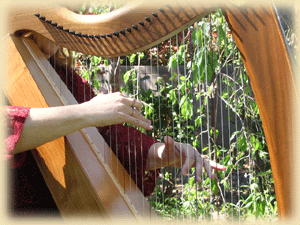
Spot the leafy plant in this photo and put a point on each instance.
(184, 107)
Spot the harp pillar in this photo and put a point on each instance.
(258, 37)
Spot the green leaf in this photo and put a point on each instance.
(96, 84)
(207, 181)
(221, 31)
(214, 186)
(192, 181)
(96, 60)
(184, 110)
(148, 110)
(226, 160)
(172, 62)
(132, 58)
(172, 96)
(261, 174)
(126, 76)
(106, 63)
(226, 184)
(258, 145)
(199, 56)
(182, 100)
(181, 53)
(141, 55)
(242, 143)
(167, 175)
(187, 109)
(197, 37)
(212, 132)
(174, 75)
(198, 121)
(196, 143)
(205, 28)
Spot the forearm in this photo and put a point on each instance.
(46, 124)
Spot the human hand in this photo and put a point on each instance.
(110, 109)
(188, 154)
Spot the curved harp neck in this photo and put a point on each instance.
(134, 27)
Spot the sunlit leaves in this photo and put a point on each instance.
(170, 109)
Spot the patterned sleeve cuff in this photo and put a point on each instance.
(15, 118)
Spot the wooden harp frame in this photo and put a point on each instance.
(267, 63)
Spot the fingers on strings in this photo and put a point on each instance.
(136, 104)
(200, 163)
(131, 102)
(136, 119)
(133, 115)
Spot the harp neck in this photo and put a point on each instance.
(132, 28)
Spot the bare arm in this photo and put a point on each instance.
(46, 124)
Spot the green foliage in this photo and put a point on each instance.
(170, 107)
(210, 53)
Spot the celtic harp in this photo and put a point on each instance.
(81, 176)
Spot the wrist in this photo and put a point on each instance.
(83, 116)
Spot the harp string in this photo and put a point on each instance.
(186, 109)
(229, 124)
(115, 85)
(179, 121)
(193, 116)
(221, 104)
(152, 119)
(220, 89)
(207, 111)
(173, 133)
(200, 116)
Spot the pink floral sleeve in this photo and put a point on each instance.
(16, 117)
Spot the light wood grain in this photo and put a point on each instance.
(80, 181)
(174, 19)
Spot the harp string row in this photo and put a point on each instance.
(210, 98)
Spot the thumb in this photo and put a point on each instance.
(169, 143)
